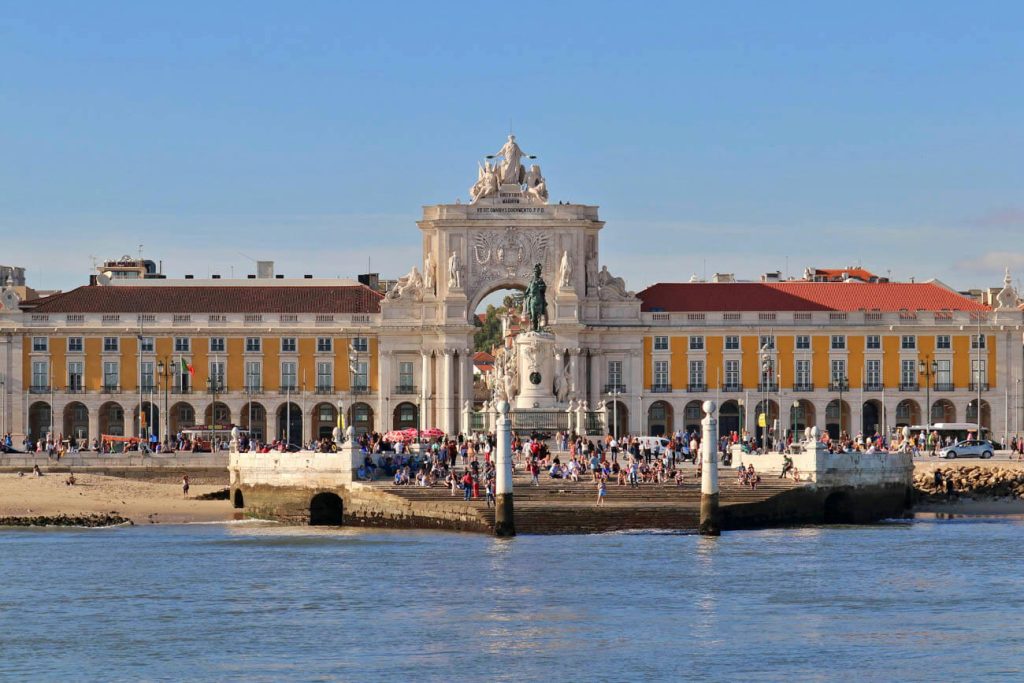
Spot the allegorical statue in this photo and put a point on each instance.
(534, 304)
(511, 168)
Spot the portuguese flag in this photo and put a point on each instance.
(187, 367)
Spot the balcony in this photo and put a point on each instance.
(288, 389)
(838, 386)
(360, 389)
(768, 387)
(696, 387)
(979, 387)
(74, 388)
(181, 390)
(803, 386)
(910, 386)
(614, 388)
(732, 387)
(219, 389)
(872, 386)
(661, 388)
(110, 389)
(405, 389)
(253, 389)
(323, 389)
(39, 389)
(943, 386)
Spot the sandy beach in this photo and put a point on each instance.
(140, 501)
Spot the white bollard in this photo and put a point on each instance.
(504, 522)
(710, 524)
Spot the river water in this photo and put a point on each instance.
(929, 599)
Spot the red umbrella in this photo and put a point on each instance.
(398, 435)
(432, 433)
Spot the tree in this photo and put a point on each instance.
(488, 333)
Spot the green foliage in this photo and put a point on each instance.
(488, 333)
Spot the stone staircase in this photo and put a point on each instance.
(558, 506)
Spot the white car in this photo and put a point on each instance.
(971, 448)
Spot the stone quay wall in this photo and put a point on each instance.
(294, 487)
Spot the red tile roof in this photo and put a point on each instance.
(804, 296)
(837, 273)
(214, 299)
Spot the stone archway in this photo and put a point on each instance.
(39, 420)
(183, 416)
(837, 418)
(326, 509)
(405, 415)
(111, 419)
(943, 410)
(76, 422)
(151, 419)
(360, 416)
(986, 414)
(729, 418)
(692, 415)
(771, 419)
(659, 418)
(325, 418)
(871, 417)
(908, 413)
(253, 418)
(801, 417)
(217, 414)
(289, 423)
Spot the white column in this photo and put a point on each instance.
(637, 420)
(574, 371)
(384, 388)
(709, 520)
(596, 373)
(504, 524)
(424, 390)
(448, 394)
(466, 390)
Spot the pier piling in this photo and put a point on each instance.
(710, 522)
(504, 521)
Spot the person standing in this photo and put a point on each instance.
(184, 485)
(602, 490)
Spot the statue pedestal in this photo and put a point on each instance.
(535, 352)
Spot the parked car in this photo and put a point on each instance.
(969, 448)
(657, 444)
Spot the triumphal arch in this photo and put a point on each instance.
(508, 226)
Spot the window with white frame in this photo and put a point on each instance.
(661, 343)
(943, 341)
(360, 376)
(873, 373)
(615, 373)
(289, 345)
(40, 374)
(147, 378)
(908, 342)
(803, 342)
(766, 340)
(406, 377)
(324, 344)
(324, 376)
(184, 378)
(253, 375)
(838, 371)
(873, 341)
(76, 372)
(838, 342)
(75, 345)
(217, 345)
(732, 373)
(289, 375)
(253, 344)
(697, 343)
(977, 342)
(908, 372)
(217, 375)
(111, 344)
(147, 345)
(661, 373)
(943, 374)
(360, 344)
(40, 344)
(696, 373)
(977, 371)
(803, 373)
(111, 374)
(182, 344)
(732, 342)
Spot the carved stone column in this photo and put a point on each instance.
(638, 425)
(384, 390)
(448, 394)
(466, 387)
(574, 372)
(425, 390)
(596, 372)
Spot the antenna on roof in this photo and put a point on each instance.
(140, 252)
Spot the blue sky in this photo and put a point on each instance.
(730, 136)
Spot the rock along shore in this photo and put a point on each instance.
(88, 521)
(971, 481)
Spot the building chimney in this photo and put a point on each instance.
(264, 270)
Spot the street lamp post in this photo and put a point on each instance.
(928, 369)
(796, 406)
(164, 368)
(766, 376)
